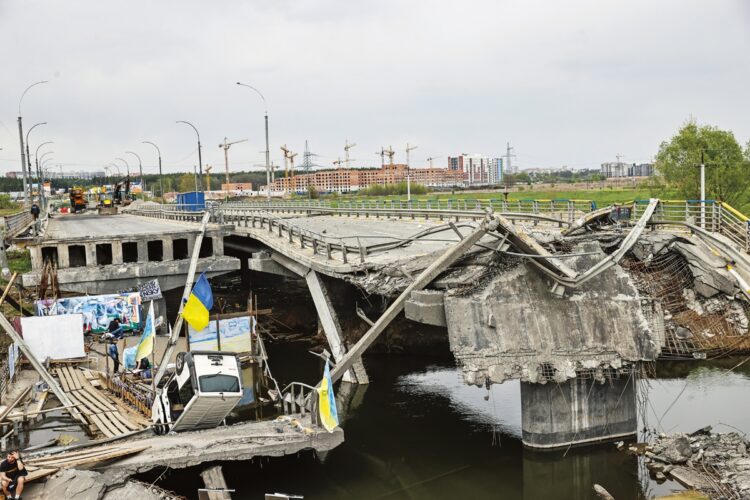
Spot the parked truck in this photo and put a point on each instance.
(204, 388)
(78, 200)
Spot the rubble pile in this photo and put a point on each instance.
(716, 463)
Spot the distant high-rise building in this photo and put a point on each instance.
(478, 170)
(622, 169)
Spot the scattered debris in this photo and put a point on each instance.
(717, 464)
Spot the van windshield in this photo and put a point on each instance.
(219, 383)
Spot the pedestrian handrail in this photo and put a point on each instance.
(17, 223)
(299, 397)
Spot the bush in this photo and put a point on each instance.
(399, 188)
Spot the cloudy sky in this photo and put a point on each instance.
(570, 82)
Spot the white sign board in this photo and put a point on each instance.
(56, 337)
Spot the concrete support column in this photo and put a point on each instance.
(191, 243)
(116, 252)
(36, 257)
(63, 256)
(91, 254)
(330, 323)
(167, 248)
(218, 245)
(577, 411)
(142, 250)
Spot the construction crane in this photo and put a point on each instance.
(337, 163)
(288, 155)
(225, 146)
(390, 153)
(382, 157)
(347, 147)
(433, 158)
(409, 149)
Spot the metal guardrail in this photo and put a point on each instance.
(714, 216)
(301, 398)
(564, 209)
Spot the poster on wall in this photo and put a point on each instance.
(97, 310)
(234, 335)
(58, 337)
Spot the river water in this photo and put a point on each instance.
(417, 432)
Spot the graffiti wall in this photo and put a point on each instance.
(97, 310)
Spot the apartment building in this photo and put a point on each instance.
(478, 170)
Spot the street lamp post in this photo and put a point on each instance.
(23, 151)
(127, 167)
(140, 168)
(38, 171)
(268, 152)
(28, 156)
(199, 184)
(161, 182)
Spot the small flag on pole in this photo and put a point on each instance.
(327, 402)
(199, 303)
(146, 344)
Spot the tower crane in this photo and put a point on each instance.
(390, 153)
(433, 158)
(226, 146)
(347, 147)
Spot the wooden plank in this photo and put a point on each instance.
(63, 458)
(40, 473)
(82, 380)
(15, 403)
(84, 405)
(126, 422)
(115, 422)
(100, 397)
(103, 428)
(63, 381)
(75, 462)
(64, 376)
(91, 401)
(72, 378)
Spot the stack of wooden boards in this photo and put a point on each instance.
(101, 412)
(48, 465)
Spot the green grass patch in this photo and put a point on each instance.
(19, 261)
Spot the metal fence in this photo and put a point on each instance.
(714, 216)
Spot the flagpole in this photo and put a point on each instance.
(153, 353)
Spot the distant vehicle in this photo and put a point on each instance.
(78, 200)
(203, 390)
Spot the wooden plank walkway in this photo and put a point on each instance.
(101, 412)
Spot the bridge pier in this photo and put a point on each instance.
(332, 328)
(578, 411)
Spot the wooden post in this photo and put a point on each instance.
(213, 478)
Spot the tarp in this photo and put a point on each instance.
(97, 310)
(235, 335)
(58, 337)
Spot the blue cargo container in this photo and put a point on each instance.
(192, 201)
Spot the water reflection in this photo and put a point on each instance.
(417, 432)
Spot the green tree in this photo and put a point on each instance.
(186, 182)
(726, 166)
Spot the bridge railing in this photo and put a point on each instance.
(565, 209)
(715, 216)
(17, 223)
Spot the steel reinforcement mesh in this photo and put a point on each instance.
(665, 278)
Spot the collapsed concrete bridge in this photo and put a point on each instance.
(558, 296)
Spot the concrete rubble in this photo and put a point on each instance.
(93, 485)
(715, 463)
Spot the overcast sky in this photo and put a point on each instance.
(565, 82)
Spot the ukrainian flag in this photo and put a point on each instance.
(329, 416)
(146, 344)
(201, 301)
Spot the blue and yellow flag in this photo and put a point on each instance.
(199, 303)
(146, 344)
(329, 416)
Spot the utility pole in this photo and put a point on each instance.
(508, 155)
(703, 192)
(208, 177)
(26, 186)
(409, 149)
(225, 146)
(347, 147)
(307, 164)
